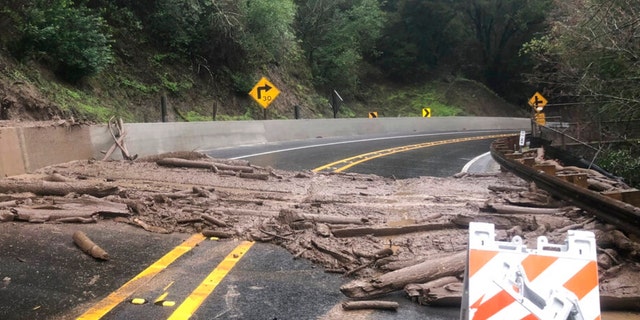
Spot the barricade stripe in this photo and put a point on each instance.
(487, 309)
(478, 259)
(530, 317)
(584, 281)
(534, 265)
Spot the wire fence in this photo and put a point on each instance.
(588, 138)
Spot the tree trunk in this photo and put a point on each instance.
(452, 265)
(46, 188)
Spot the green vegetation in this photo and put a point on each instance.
(117, 57)
(624, 161)
(124, 50)
(72, 40)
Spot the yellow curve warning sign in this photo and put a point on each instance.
(505, 280)
(264, 92)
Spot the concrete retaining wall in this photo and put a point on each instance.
(28, 149)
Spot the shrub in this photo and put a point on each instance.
(70, 38)
(623, 162)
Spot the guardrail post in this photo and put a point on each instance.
(163, 107)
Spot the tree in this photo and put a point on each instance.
(71, 38)
(233, 35)
(270, 36)
(499, 28)
(335, 35)
(592, 55)
(591, 58)
(419, 35)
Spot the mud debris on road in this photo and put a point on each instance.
(361, 226)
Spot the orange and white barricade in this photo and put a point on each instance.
(508, 281)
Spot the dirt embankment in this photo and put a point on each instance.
(363, 226)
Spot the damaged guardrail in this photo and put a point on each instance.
(617, 207)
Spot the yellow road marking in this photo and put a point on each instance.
(199, 294)
(344, 164)
(116, 297)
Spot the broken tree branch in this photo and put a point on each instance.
(390, 231)
(88, 246)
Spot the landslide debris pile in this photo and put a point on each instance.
(385, 234)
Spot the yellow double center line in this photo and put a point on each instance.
(344, 164)
(192, 302)
(195, 299)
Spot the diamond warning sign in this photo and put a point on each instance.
(264, 92)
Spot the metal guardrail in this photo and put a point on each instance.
(624, 215)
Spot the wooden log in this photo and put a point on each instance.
(113, 147)
(371, 304)
(415, 289)
(6, 216)
(449, 295)
(389, 231)
(202, 192)
(6, 204)
(508, 209)
(232, 162)
(76, 220)
(400, 264)
(340, 256)
(120, 142)
(189, 220)
(217, 234)
(378, 255)
(178, 162)
(213, 220)
(150, 228)
(507, 189)
(451, 265)
(187, 155)
(619, 241)
(500, 221)
(47, 188)
(254, 176)
(88, 246)
(335, 219)
(289, 216)
(425, 293)
(222, 166)
(84, 207)
(598, 185)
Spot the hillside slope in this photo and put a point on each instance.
(132, 89)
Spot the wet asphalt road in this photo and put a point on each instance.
(440, 161)
(45, 277)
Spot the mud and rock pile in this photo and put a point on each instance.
(385, 234)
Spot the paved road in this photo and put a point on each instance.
(46, 278)
(427, 158)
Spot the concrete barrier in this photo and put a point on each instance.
(27, 149)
